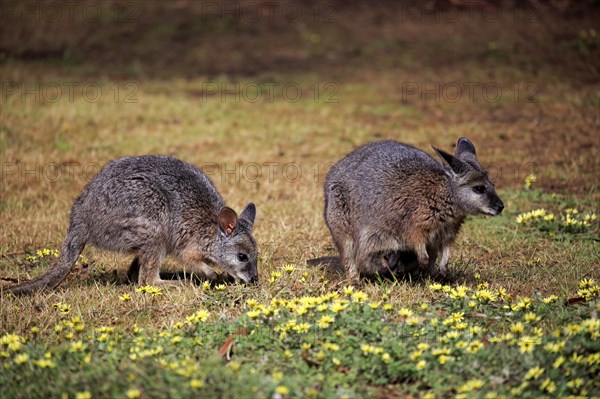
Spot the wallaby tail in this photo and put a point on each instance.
(71, 249)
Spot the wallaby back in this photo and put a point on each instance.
(386, 198)
(152, 206)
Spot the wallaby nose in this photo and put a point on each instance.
(500, 207)
(253, 279)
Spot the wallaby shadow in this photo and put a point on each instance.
(406, 270)
(194, 278)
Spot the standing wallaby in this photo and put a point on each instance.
(153, 206)
(388, 198)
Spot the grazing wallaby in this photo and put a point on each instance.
(387, 198)
(153, 206)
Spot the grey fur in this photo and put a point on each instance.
(387, 198)
(153, 206)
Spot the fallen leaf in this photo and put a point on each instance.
(576, 300)
(225, 350)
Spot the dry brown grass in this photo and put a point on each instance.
(556, 137)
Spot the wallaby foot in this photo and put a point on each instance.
(423, 258)
(444, 261)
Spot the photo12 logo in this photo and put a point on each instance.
(269, 11)
(53, 92)
(69, 12)
(453, 92)
(253, 92)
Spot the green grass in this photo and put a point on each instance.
(467, 342)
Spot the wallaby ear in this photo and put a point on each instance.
(465, 150)
(249, 213)
(227, 220)
(452, 164)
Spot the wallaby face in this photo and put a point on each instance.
(390, 206)
(237, 252)
(471, 185)
(151, 207)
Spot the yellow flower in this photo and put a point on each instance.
(206, 286)
(527, 344)
(484, 295)
(422, 346)
(421, 364)
(529, 180)
(435, 287)
(534, 373)
(253, 314)
(125, 297)
(443, 359)
(459, 292)
(548, 385)
(470, 385)
(83, 395)
(220, 287)
(196, 384)
(176, 339)
(21, 358)
(386, 357)
(558, 362)
(415, 355)
(331, 347)
(531, 317)
(554, 347)
(289, 268)
(325, 321)
(77, 346)
(517, 328)
(133, 393)
(576, 383)
(282, 390)
(302, 328)
(234, 366)
(64, 308)
(474, 347)
(460, 326)
(404, 312)
(44, 363)
(348, 290)
(572, 329)
(338, 306)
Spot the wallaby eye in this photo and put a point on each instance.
(479, 189)
(242, 257)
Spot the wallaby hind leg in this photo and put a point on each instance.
(432, 254)
(348, 257)
(149, 267)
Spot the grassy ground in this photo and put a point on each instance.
(162, 88)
